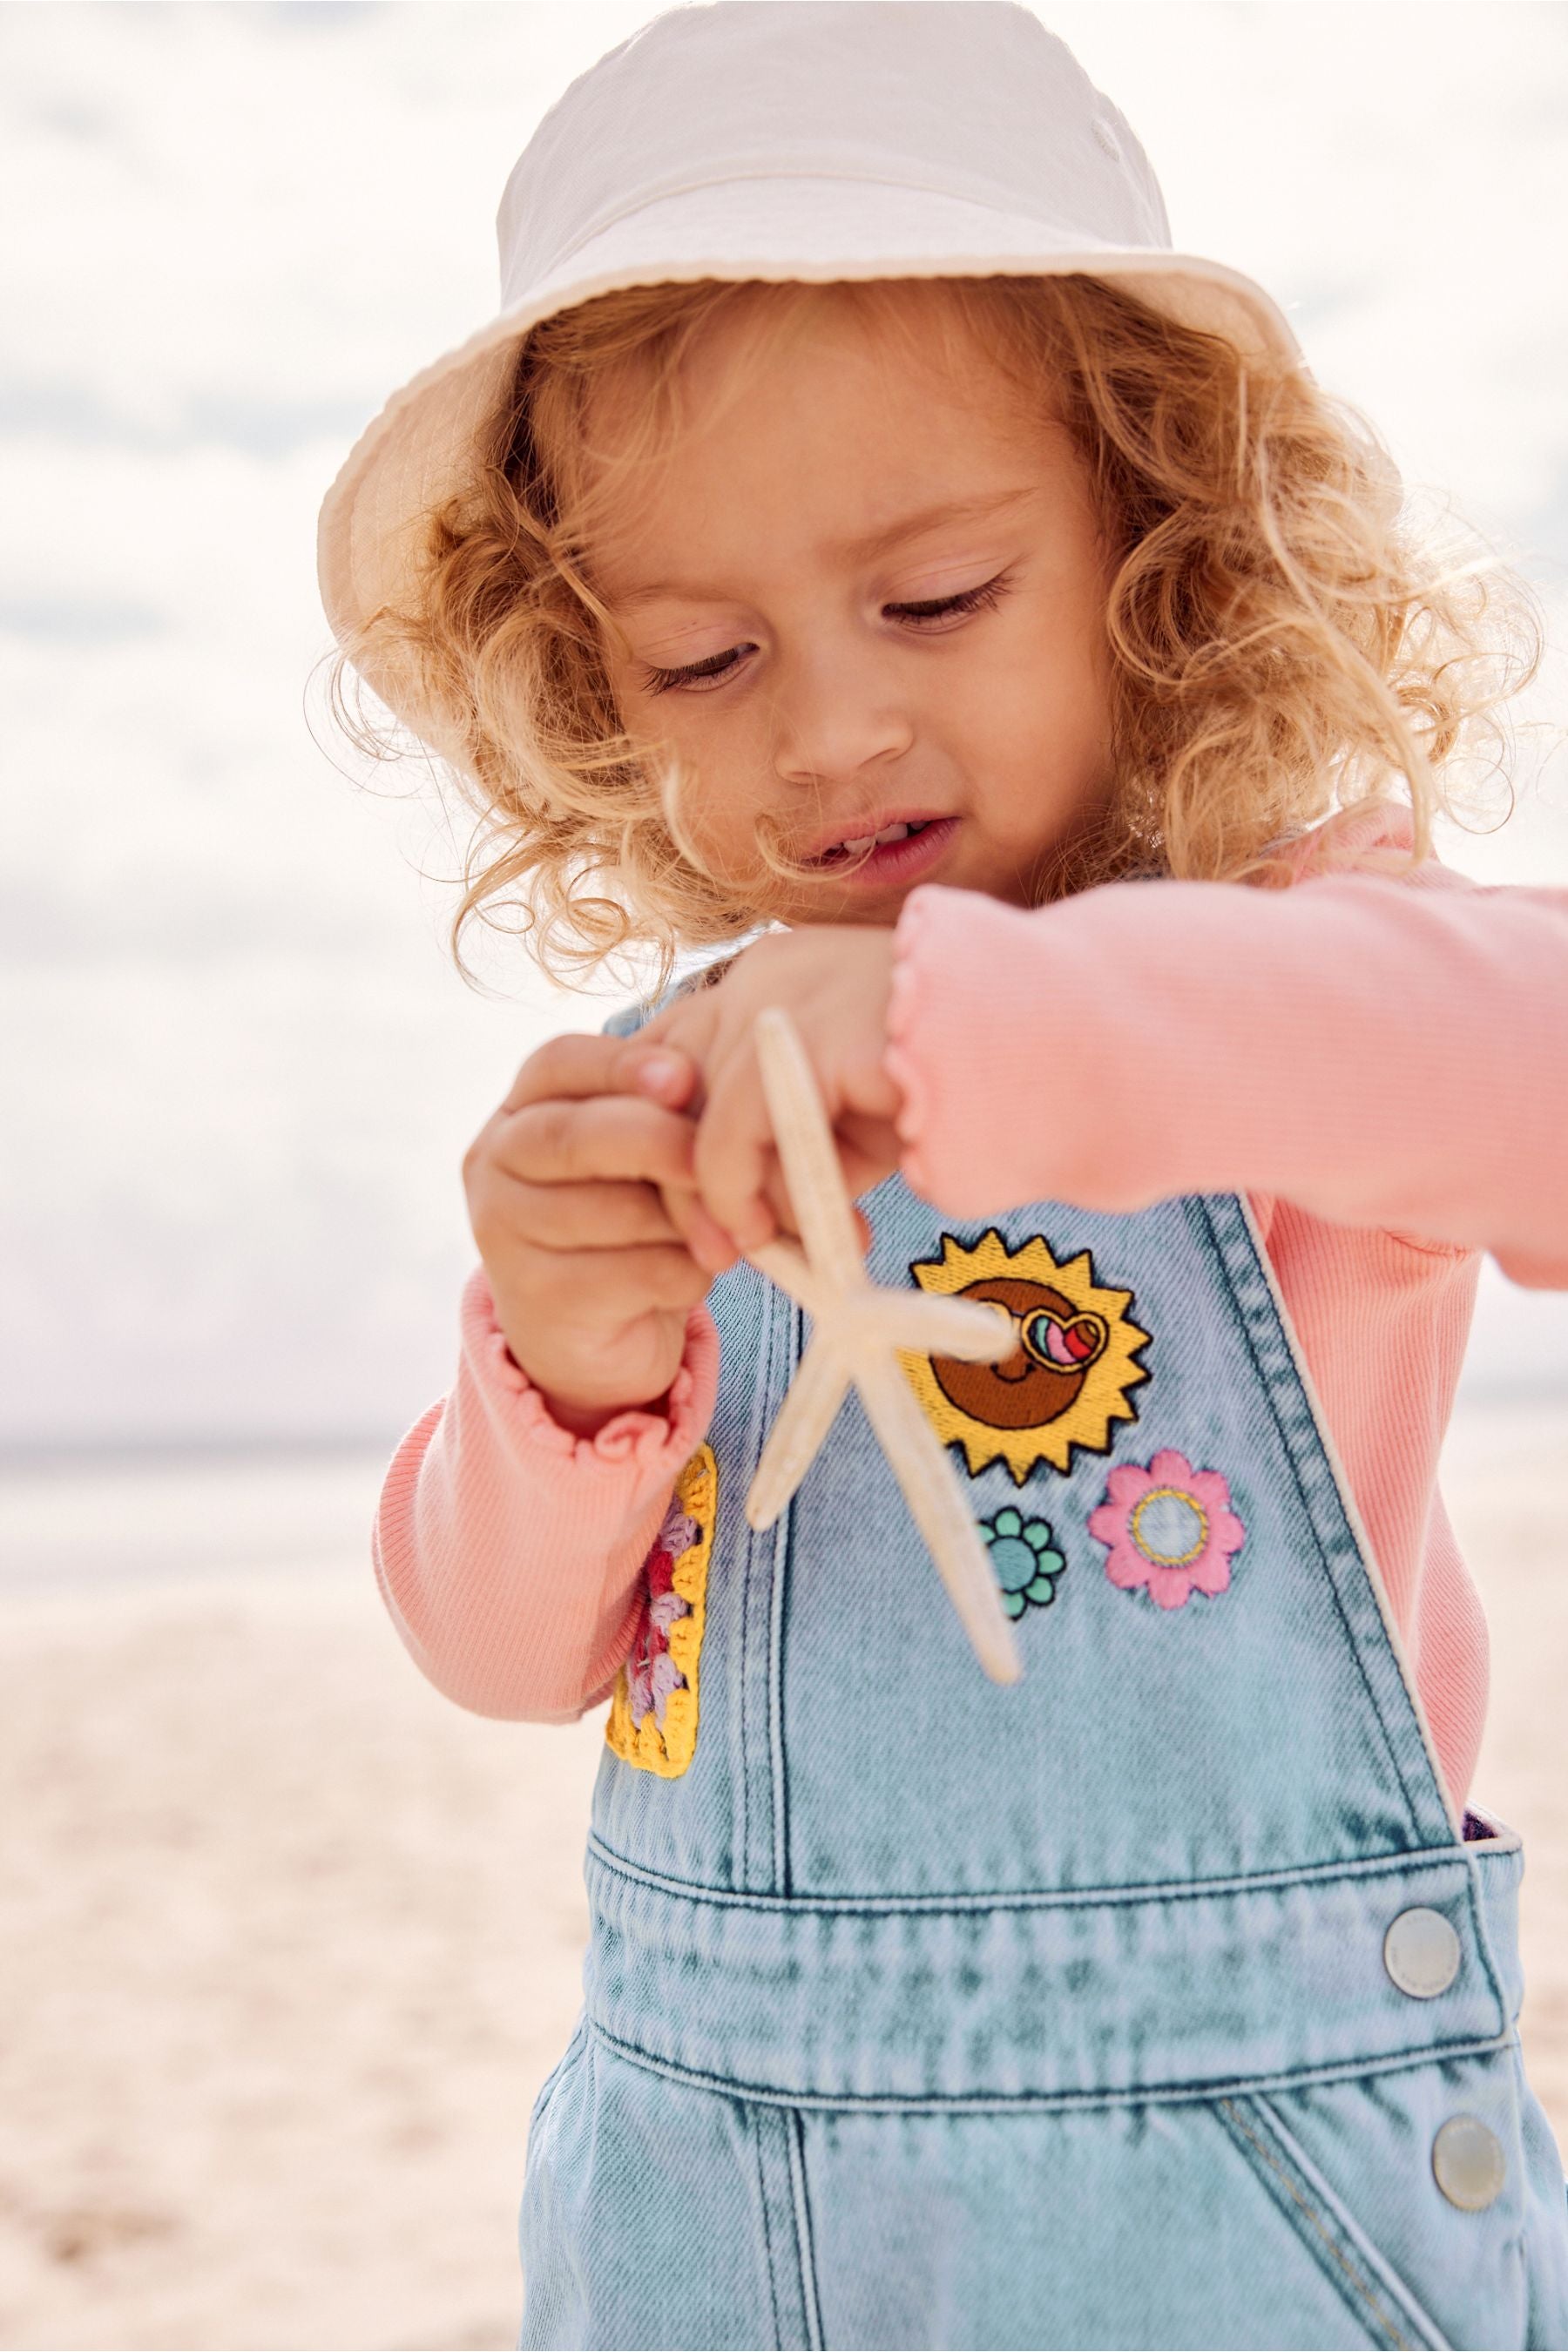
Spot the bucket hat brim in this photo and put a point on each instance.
(416, 453)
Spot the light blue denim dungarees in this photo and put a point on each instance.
(1153, 2001)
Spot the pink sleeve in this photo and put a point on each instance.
(508, 1550)
(1381, 1052)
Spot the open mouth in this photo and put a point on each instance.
(859, 848)
(883, 856)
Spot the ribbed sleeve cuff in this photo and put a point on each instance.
(507, 1548)
(654, 1445)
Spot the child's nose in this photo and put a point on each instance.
(834, 717)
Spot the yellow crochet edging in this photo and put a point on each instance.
(669, 1752)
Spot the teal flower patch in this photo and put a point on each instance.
(1025, 1556)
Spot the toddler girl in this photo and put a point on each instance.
(862, 539)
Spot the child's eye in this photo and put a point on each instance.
(700, 675)
(944, 608)
(923, 615)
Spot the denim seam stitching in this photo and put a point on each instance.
(805, 2243)
(1295, 2155)
(1245, 1297)
(738, 1736)
(743, 1681)
(1308, 1503)
(1250, 1289)
(1331, 1476)
(1009, 2101)
(1483, 1943)
(1430, 1773)
(1399, 1865)
(782, 1551)
(757, 2123)
(1361, 2296)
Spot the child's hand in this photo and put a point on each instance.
(834, 981)
(579, 1191)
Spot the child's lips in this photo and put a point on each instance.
(897, 852)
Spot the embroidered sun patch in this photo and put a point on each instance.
(1069, 1380)
(653, 1714)
(1169, 1529)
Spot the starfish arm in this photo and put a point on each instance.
(806, 1152)
(927, 1325)
(939, 1511)
(784, 1263)
(804, 1420)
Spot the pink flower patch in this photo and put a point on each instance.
(1169, 1528)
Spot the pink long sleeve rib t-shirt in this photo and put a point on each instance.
(1378, 1060)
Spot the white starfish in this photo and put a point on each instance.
(856, 1329)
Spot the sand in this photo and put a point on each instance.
(288, 1942)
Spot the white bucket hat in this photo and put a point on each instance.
(777, 139)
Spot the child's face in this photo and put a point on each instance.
(774, 579)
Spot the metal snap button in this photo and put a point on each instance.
(1421, 1953)
(1468, 2163)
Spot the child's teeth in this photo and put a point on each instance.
(900, 832)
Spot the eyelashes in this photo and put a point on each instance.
(926, 614)
(702, 673)
(969, 599)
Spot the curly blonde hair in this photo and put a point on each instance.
(1284, 644)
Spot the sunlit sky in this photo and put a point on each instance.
(242, 1071)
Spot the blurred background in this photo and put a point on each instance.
(286, 1943)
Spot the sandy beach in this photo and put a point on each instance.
(288, 1942)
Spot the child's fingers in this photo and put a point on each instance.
(707, 1243)
(733, 1148)
(564, 1142)
(687, 1028)
(605, 1290)
(868, 1150)
(737, 1167)
(856, 1180)
(600, 1216)
(576, 1066)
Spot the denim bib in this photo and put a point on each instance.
(1156, 1999)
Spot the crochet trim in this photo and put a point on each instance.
(653, 1713)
